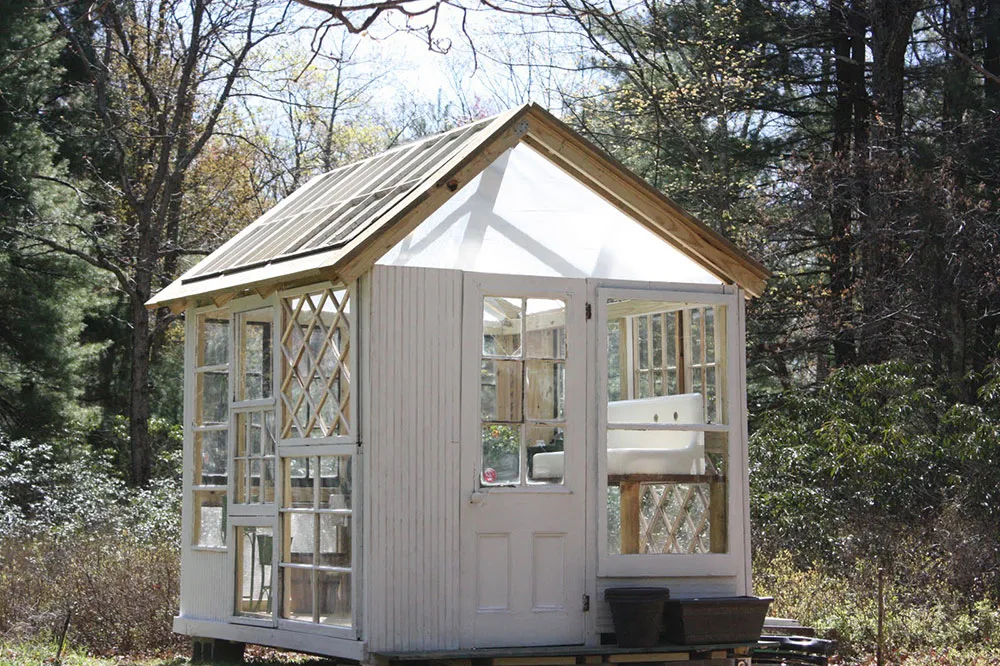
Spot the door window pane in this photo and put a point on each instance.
(522, 389)
(501, 454)
(666, 485)
(254, 571)
(502, 320)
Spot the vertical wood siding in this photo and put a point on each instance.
(412, 457)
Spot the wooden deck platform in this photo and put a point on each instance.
(571, 655)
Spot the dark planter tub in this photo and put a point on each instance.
(718, 620)
(637, 613)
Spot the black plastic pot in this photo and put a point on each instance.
(637, 613)
(715, 620)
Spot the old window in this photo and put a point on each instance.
(667, 434)
(316, 557)
(254, 571)
(211, 333)
(253, 409)
(523, 390)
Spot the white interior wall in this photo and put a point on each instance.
(525, 216)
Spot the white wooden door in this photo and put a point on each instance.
(523, 461)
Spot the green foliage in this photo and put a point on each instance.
(42, 491)
(875, 452)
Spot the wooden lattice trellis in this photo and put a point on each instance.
(316, 382)
(674, 518)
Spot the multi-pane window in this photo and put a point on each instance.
(254, 457)
(701, 358)
(666, 457)
(210, 429)
(316, 378)
(253, 409)
(523, 390)
(670, 352)
(316, 533)
(656, 344)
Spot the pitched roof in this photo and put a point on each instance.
(341, 222)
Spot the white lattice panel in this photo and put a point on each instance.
(316, 382)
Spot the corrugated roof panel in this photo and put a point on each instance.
(338, 205)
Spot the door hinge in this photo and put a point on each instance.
(586, 603)
(590, 311)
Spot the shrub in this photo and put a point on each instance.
(74, 538)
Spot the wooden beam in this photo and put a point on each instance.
(639, 658)
(629, 507)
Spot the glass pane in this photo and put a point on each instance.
(334, 540)
(502, 319)
(546, 390)
(501, 454)
(299, 491)
(334, 596)
(656, 337)
(297, 591)
(335, 482)
(213, 396)
(642, 337)
(616, 388)
(256, 366)
(210, 518)
(267, 481)
(500, 398)
(214, 340)
(255, 481)
(254, 571)
(300, 533)
(710, 334)
(696, 336)
(545, 328)
(210, 449)
(666, 489)
(545, 454)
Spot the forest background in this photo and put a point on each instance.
(853, 146)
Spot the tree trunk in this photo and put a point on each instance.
(891, 25)
(139, 393)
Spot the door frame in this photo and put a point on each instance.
(474, 287)
(735, 563)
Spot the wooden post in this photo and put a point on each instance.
(717, 528)
(629, 507)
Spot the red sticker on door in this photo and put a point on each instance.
(489, 475)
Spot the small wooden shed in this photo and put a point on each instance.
(442, 398)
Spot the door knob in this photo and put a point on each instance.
(477, 497)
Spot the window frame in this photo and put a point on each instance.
(319, 451)
(674, 564)
(193, 341)
(236, 308)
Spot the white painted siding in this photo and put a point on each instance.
(206, 592)
(413, 353)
